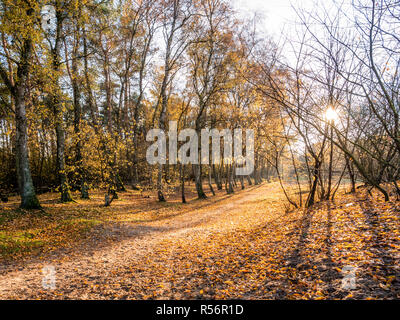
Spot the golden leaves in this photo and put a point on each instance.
(250, 251)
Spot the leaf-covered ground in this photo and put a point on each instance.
(24, 233)
(242, 246)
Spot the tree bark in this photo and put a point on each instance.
(182, 172)
(58, 114)
(210, 180)
(311, 196)
(27, 190)
(76, 90)
(217, 177)
(18, 90)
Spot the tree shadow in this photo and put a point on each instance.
(384, 264)
(328, 269)
(295, 258)
(299, 262)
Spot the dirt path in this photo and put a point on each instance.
(240, 247)
(127, 268)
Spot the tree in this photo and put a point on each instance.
(176, 16)
(19, 33)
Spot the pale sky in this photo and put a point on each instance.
(275, 12)
(278, 14)
(280, 17)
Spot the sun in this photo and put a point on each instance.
(331, 115)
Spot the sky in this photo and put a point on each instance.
(278, 14)
(279, 18)
(275, 12)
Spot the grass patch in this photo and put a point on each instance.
(19, 243)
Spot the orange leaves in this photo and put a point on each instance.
(251, 250)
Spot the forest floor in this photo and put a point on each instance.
(242, 246)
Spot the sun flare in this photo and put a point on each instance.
(331, 115)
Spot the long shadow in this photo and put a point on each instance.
(386, 265)
(328, 271)
(295, 258)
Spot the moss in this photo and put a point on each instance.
(79, 225)
(19, 243)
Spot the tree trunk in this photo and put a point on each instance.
(62, 176)
(351, 175)
(198, 181)
(249, 181)
(163, 126)
(311, 196)
(160, 193)
(210, 180)
(18, 90)
(58, 115)
(77, 126)
(27, 190)
(330, 172)
(232, 183)
(242, 182)
(229, 177)
(217, 177)
(182, 172)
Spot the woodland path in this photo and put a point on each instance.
(134, 256)
(245, 246)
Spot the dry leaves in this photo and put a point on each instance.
(246, 247)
